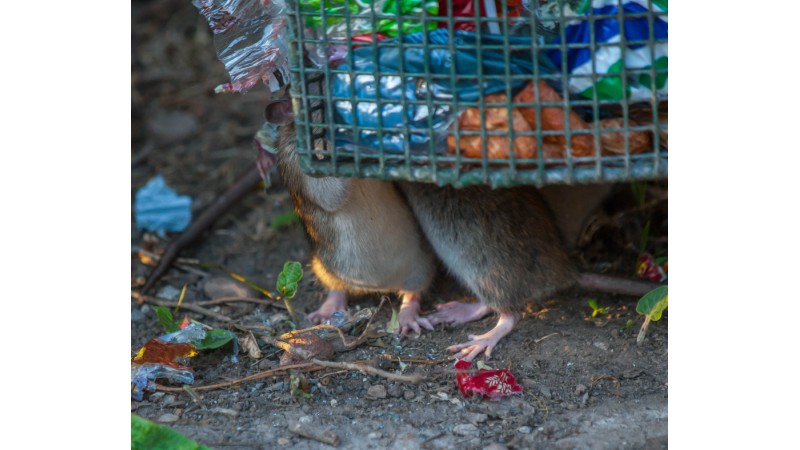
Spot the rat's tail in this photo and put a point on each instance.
(615, 285)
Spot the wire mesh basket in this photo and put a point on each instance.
(481, 91)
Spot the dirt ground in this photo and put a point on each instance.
(586, 383)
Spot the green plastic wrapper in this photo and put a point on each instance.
(335, 25)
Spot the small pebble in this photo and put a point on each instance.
(168, 399)
(305, 420)
(601, 345)
(409, 395)
(376, 391)
(282, 441)
(278, 318)
(524, 429)
(476, 418)
(266, 364)
(155, 396)
(466, 429)
(172, 126)
(137, 315)
(216, 287)
(374, 435)
(495, 446)
(168, 418)
(394, 390)
(545, 391)
(169, 293)
(580, 389)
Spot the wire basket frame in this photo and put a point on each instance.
(386, 91)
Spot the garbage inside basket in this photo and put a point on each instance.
(553, 81)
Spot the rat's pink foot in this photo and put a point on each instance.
(336, 301)
(457, 313)
(487, 341)
(409, 318)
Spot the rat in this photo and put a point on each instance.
(502, 244)
(505, 245)
(362, 234)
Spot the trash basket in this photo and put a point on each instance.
(465, 92)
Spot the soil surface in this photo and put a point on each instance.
(586, 382)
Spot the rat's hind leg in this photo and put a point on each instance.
(336, 301)
(487, 341)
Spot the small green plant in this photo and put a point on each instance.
(283, 220)
(149, 435)
(166, 320)
(287, 284)
(628, 325)
(596, 309)
(651, 305)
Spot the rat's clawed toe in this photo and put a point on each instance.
(413, 324)
(336, 301)
(469, 350)
(410, 321)
(486, 342)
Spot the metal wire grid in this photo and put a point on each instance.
(316, 127)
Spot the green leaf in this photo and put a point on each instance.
(394, 323)
(595, 308)
(653, 303)
(282, 220)
(483, 366)
(165, 319)
(146, 435)
(215, 339)
(627, 326)
(289, 278)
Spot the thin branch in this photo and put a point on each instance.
(189, 306)
(369, 370)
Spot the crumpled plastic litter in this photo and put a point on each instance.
(250, 38)
(494, 384)
(143, 377)
(647, 269)
(159, 208)
(393, 114)
(164, 357)
(608, 58)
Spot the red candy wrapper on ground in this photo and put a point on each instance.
(648, 269)
(185, 323)
(494, 384)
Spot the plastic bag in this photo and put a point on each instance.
(250, 38)
(608, 58)
(392, 89)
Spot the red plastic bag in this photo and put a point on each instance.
(488, 383)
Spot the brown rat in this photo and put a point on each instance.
(362, 234)
(502, 244)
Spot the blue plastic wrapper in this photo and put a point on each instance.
(608, 60)
(159, 208)
(393, 88)
(143, 378)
